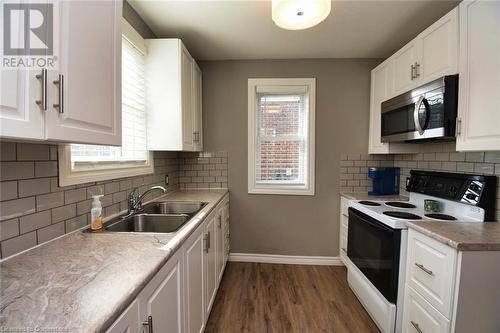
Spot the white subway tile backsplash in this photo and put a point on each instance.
(34, 221)
(474, 157)
(15, 208)
(16, 170)
(17, 244)
(63, 213)
(51, 200)
(8, 190)
(29, 172)
(30, 187)
(50, 232)
(32, 152)
(46, 169)
(7, 151)
(9, 229)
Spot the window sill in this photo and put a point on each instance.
(68, 176)
(282, 190)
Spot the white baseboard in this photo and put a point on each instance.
(282, 259)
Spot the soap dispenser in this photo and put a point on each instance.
(96, 213)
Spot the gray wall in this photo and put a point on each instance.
(136, 21)
(288, 225)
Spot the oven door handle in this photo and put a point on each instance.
(369, 220)
(418, 126)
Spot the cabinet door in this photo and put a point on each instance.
(128, 322)
(380, 87)
(210, 264)
(187, 100)
(479, 100)
(89, 96)
(439, 48)
(420, 316)
(197, 108)
(226, 233)
(219, 244)
(163, 298)
(195, 308)
(403, 60)
(20, 116)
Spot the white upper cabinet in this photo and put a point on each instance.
(432, 54)
(380, 87)
(479, 97)
(173, 97)
(197, 109)
(404, 63)
(84, 103)
(87, 87)
(439, 49)
(20, 89)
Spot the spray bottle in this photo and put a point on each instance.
(96, 213)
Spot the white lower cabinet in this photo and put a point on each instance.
(420, 316)
(180, 296)
(128, 322)
(447, 290)
(195, 281)
(210, 265)
(162, 300)
(344, 227)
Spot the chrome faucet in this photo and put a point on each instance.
(135, 200)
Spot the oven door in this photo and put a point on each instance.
(375, 248)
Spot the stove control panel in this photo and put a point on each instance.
(473, 193)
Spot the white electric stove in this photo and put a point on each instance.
(377, 235)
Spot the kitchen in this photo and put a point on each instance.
(257, 137)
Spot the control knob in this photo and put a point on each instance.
(471, 196)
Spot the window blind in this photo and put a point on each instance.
(282, 132)
(134, 126)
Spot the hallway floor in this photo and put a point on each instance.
(262, 298)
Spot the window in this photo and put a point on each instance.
(281, 136)
(82, 163)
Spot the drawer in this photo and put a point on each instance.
(430, 271)
(420, 317)
(344, 206)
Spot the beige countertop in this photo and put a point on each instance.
(463, 236)
(83, 281)
(365, 196)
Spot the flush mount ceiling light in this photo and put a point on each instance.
(300, 14)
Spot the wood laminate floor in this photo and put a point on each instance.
(261, 298)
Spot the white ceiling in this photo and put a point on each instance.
(236, 29)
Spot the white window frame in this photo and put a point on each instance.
(91, 172)
(281, 86)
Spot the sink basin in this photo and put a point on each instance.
(149, 223)
(174, 207)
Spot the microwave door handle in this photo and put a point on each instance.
(415, 115)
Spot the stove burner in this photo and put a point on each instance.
(443, 217)
(402, 215)
(369, 203)
(399, 204)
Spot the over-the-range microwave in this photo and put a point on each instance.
(428, 112)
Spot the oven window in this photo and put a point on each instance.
(374, 248)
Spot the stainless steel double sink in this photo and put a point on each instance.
(161, 217)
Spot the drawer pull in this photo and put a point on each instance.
(422, 267)
(417, 327)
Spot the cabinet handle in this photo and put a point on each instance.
(220, 221)
(148, 324)
(43, 77)
(422, 267)
(458, 130)
(60, 83)
(417, 327)
(412, 72)
(207, 241)
(417, 70)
